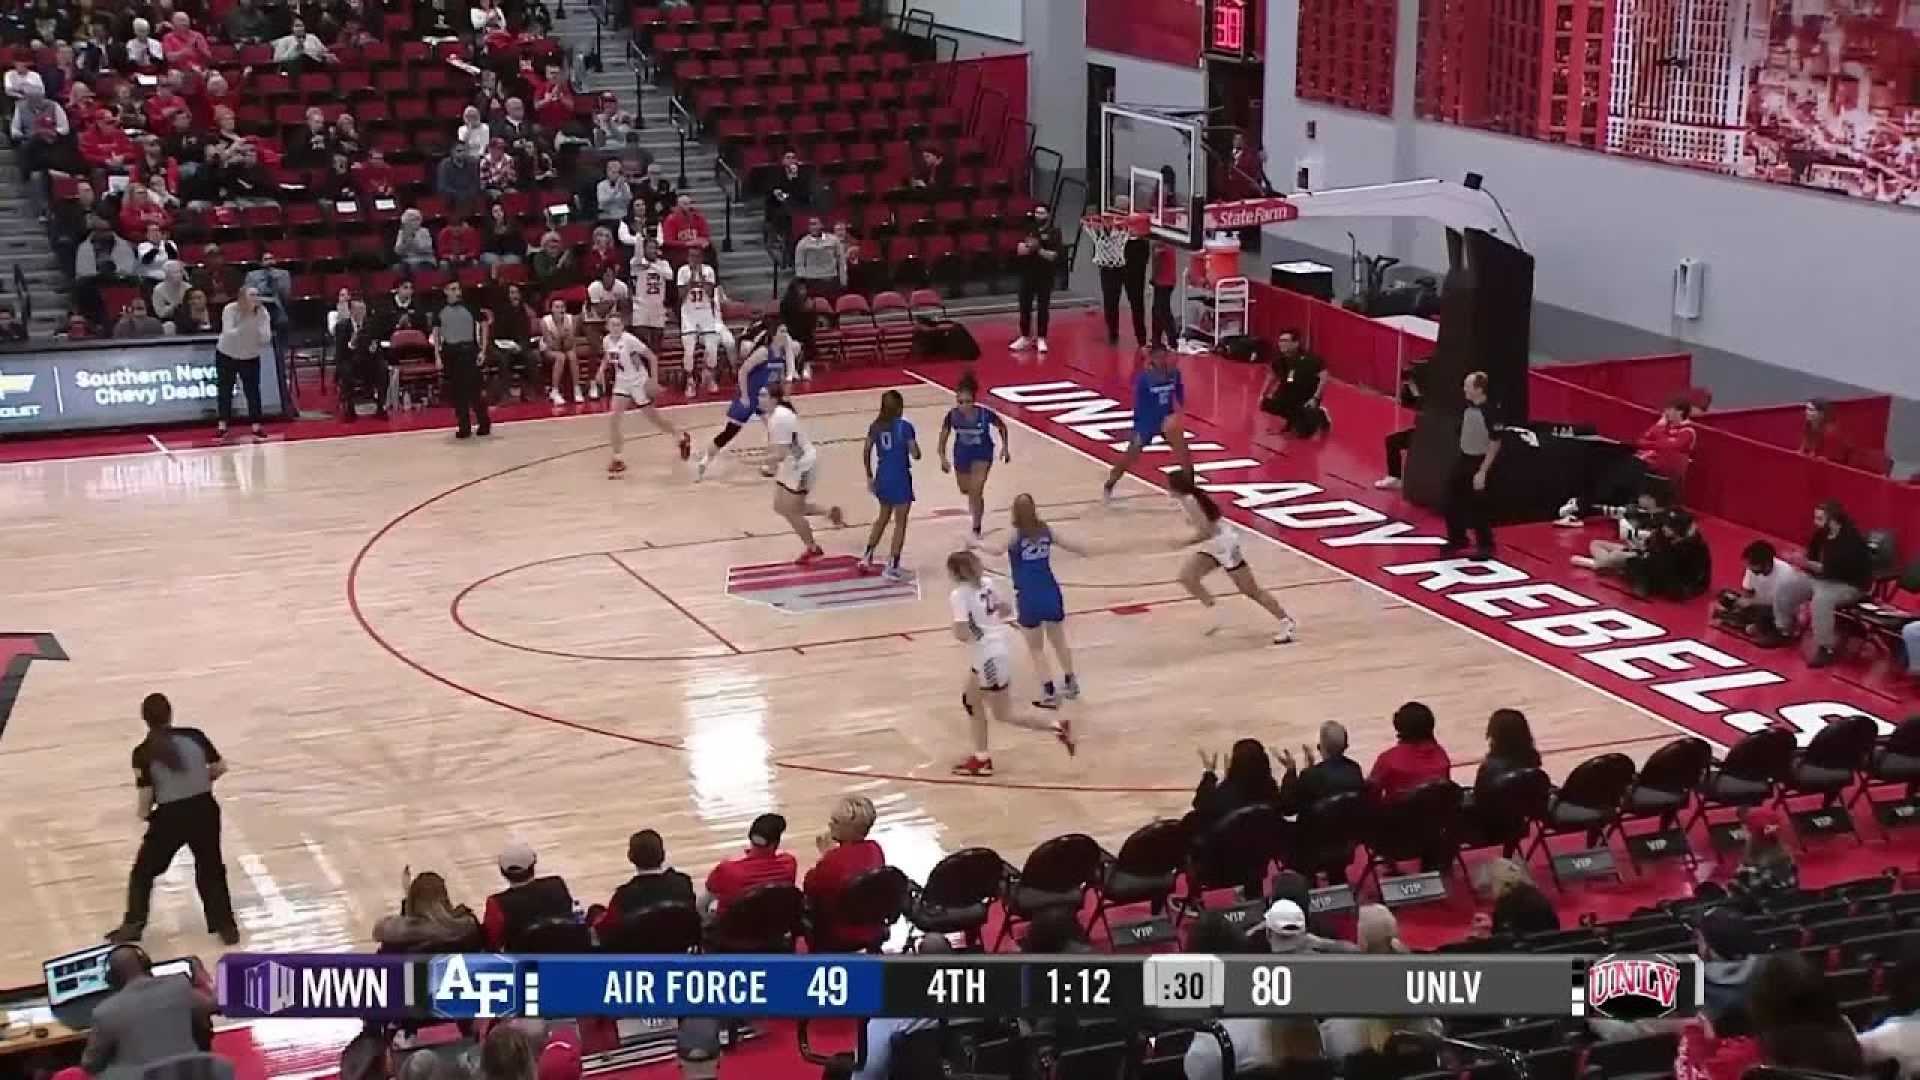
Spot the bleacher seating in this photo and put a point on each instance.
(857, 104)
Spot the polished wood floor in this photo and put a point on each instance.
(413, 649)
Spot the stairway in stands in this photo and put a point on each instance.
(24, 244)
(746, 271)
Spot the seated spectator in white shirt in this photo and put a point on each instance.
(613, 195)
(155, 252)
(486, 17)
(299, 47)
(473, 131)
(144, 51)
(1897, 1038)
(21, 76)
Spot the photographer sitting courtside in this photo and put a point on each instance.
(1838, 571)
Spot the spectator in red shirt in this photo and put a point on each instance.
(376, 176)
(1817, 437)
(1415, 759)
(526, 900)
(602, 255)
(1658, 467)
(685, 227)
(1667, 446)
(1165, 280)
(552, 98)
(459, 243)
(845, 854)
(184, 46)
(105, 146)
(140, 210)
(763, 863)
(166, 101)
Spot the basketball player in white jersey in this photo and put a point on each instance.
(632, 364)
(1216, 544)
(700, 302)
(651, 277)
(980, 613)
(796, 462)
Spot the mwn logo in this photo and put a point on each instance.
(15, 384)
(346, 988)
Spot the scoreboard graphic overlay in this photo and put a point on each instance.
(484, 986)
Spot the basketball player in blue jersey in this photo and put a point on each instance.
(891, 439)
(1159, 401)
(771, 355)
(1038, 606)
(971, 426)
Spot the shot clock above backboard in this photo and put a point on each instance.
(1231, 29)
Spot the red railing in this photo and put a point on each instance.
(1746, 466)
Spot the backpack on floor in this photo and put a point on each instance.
(944, 339)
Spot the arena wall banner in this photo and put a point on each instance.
(1164, 30)
(111, 384)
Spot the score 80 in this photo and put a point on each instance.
(1272, 987)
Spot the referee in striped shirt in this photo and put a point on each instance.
(174, 769)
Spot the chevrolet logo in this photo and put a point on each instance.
(15, 384)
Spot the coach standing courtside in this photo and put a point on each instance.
(456, 350)
(1037, 261)
(1467, 504)
(246, 331)
(174, 770)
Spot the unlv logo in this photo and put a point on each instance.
(1633, 987)
(17, 654)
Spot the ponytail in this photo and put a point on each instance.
(157, 711)
(892, 405)
(1205, 502)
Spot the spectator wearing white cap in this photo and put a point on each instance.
(527, 899)
(763, 863)
(1286, 927)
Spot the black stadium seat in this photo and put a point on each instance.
(958, 895)
(1145, 872)
(1748, 776)
(1587, 802)
(1057, 876)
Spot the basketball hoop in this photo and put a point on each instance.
(1109, 233)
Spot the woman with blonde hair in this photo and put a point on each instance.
(428, 921)
(1378, 931)
(1519, 907)
(845, 854)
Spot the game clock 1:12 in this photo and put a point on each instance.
(1089, 987)
(1230, 29)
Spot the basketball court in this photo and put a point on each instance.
(413, 650)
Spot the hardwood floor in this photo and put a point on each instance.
(413, 650)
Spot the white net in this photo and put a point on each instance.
(1109, 239)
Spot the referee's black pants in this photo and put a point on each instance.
(192, 823)
(1467, 507)
(464, 386)
(1130, 278)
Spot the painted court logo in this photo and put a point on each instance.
(17, 654)
(834, 583)
(1633, 987)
